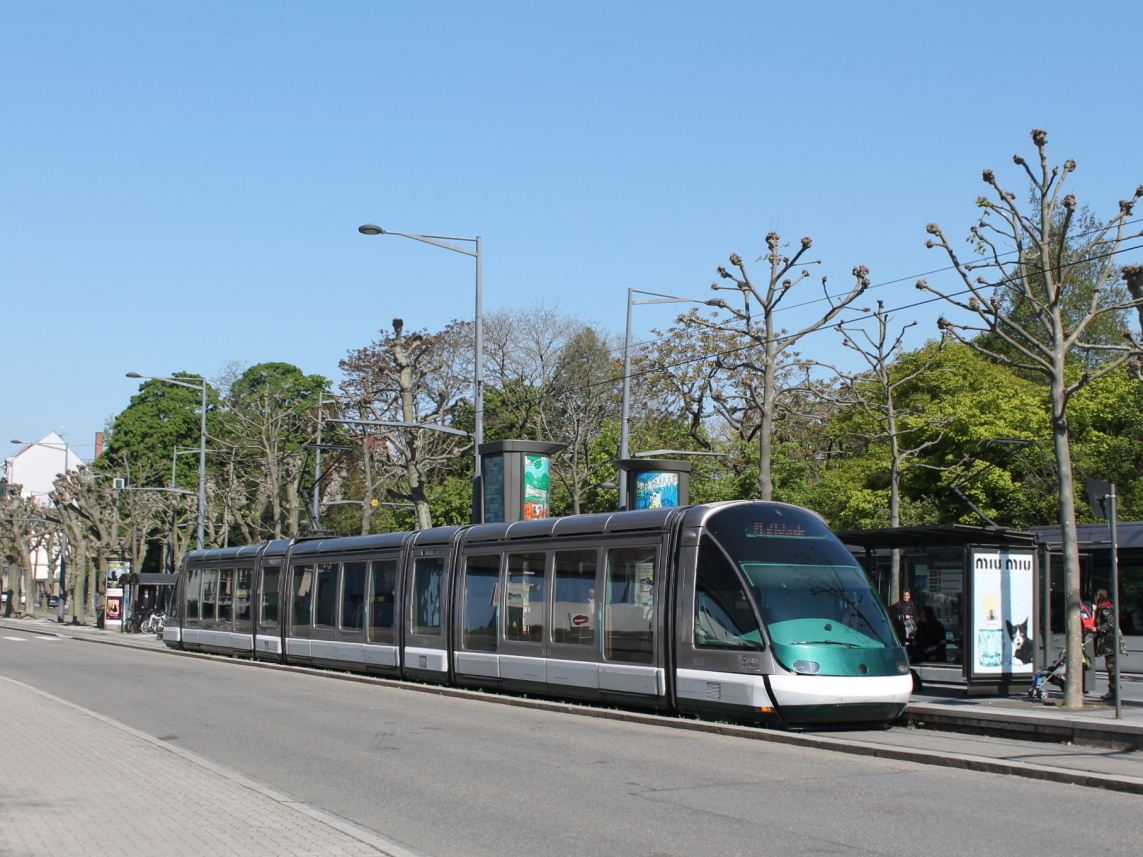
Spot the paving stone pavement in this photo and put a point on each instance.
(74, 783)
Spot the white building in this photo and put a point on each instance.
(34, 467)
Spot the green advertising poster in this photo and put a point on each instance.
(537, 487)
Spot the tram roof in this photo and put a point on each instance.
(937, 536)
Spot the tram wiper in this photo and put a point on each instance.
(825, 643)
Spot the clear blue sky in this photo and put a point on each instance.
(183, 180)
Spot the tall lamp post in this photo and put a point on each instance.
(624, 428)
(478, 347)
(201, 447)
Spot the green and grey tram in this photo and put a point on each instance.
(744, 610)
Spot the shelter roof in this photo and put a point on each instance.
(937, 536)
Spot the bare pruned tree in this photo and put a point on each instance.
(1029, 260)
(416, 380)
(907, 431)
(773, 346)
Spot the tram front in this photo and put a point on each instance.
(780, 604)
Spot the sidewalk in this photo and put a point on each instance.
(76, 783)
(1010, 735)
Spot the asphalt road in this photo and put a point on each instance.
(464, 777)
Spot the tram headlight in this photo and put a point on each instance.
(807, 667)
(903, 667)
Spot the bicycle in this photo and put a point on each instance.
(153, 624)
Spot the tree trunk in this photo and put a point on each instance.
(1073, 690)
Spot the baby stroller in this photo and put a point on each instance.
(1054, 674)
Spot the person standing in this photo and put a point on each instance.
(906, 612)
(1105, 643)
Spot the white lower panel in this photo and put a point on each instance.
(380, 656)
(573, 673)
(426, 659)
(648, 681)
(728, 688)
(351, 653)
(517, 668)
(840, 690)
(483, 664)
(325, 650)
(172, 634)
(297, 647)
(268, 645)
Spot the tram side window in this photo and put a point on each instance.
(270, 578)
(325, 601)
(209, 593)
(723, 615)
(629, 609)
(382, 589)
(427, 573)
(302, 596)
(525, 598)
(225, 595)
(242, 595)
(573, 598)
(194, 590)
(481, 607)
(353, 596)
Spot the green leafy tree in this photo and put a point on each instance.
(267, 431)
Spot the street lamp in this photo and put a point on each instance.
(624, 428)
(478, 347)
(201, 447)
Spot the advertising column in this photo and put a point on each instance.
(1002, 616)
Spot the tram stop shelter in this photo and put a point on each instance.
(985, 585)
(139, 589)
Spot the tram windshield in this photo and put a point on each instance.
(807, 585)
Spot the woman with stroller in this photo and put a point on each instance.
(1106, 645)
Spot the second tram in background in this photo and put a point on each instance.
(744, 610)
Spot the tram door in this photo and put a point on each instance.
(425, 651)
(629, 621)
(523, 658)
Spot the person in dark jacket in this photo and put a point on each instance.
(1105, 642)
(929, 641)
(905, 611)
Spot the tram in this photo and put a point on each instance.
(750, 611)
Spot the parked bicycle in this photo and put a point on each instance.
(153, 624)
